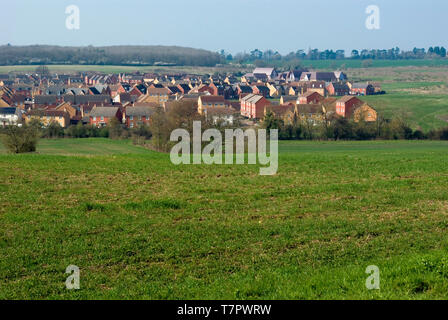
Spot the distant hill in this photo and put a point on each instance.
(113, 55)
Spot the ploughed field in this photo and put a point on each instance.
(139, 227)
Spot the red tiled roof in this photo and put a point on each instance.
(212, 99)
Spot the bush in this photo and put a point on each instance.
(78, 131)
(419, 135)
(444, 134)
(20, 139)
(141, 134)
(365, 131)
(54, 130)
(441, 134)
(116, 129)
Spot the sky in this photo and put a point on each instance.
(232, 25)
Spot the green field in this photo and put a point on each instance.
(86, 147)
(425, 112)
(417, 94)
(139, 227)
(315, 64)
(119, 69)
(355, 64)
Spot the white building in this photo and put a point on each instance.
(10, 116)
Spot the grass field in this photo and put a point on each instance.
(140, 227)
(419, 94)
(119, 69)
(356, 64)
(314, 64)
(421, 111)
(86, 147)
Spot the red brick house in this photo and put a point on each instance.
(362, 89)
(346, 105)
(184, 88)
(252, 106)
(136, 116)
(338, 89)
(101, 116)
(243, 90)
(211, 102)
(214, 88)
(205, 88)
(136, 91)
(261, 90)
(310, 98)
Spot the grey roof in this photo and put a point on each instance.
(104, 112)
(252, 98)
(360, 85)
(8, 110)
(45, 99)
(55, 90)
(77, 91)
(139, 111)
(340, 86)
(290, 98)
(266, 71)
(91, 98)
(194, 96)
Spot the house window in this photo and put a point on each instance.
(131, 117)
(94, 118)
(102, 118)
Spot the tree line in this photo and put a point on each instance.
(172, 55)
(339, 128)
(329, 54)
(182, 114)
(113, 55)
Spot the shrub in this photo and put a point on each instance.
(20, 139)
(444, 134)
(419, 135)
(141, 134)
(115, 129)
(54, 130)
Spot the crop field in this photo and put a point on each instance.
(139, 227)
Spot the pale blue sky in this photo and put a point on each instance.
(234, 25)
